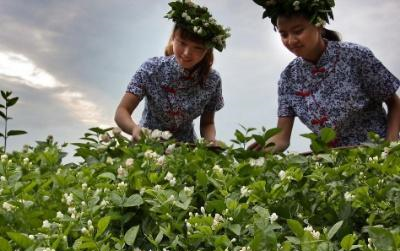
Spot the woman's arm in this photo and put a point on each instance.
(207, 126)
(123, 115)
(393, 128)
(281, 140)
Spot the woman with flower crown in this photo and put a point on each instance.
(180, 86)
(333, 84)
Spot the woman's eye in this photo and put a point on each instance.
(297, 32)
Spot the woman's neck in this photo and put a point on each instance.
(319, 50)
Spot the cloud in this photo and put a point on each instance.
(81, 108)
(19, 69)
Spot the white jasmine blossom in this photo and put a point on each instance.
(68, 198)
(245, 192)
(218, 170)
(109, 160)
(122, 185)
(105, 138)
(121, 172)
(60, 215)
(166, 135)
(161, 160)
(348, 196)
(170, 149)
(203, 210)
(129, 162)
(84, 230)
(84, 186)
(8, 207)
(156, 134)
(46, 224)
(217, 220)
(257, 162)
(273, 217)
(188, 190)
(2, 178)
(104, 203)
(4, 158)
(26, 161)
(282, 174)
(116, 131)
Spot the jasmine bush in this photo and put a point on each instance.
(161, 195)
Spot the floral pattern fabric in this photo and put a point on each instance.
(345, 90)
(173, 97)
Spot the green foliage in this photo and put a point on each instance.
(9, 101)
(161, 195)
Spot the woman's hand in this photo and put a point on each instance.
(136, 133)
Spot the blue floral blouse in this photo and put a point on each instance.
(345, 90)
(173, 97)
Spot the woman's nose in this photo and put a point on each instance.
(186, 51)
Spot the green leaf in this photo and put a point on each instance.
(311, 136)
(4, 245)
(1, 135)
(201, 178)
(3, 115)
(15, 133)
(296, 227)
(235, 228)
(133, 201)
(271, 132)
(347, 242)
(327, 135)
(11, 102)
(2, 106)
(240, 136)
(334, 229)
(102, 225)
(107, 175)
(383, 239)
(130, 235)
(20, 239)
(5, 94)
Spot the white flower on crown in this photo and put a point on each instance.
(296, 5)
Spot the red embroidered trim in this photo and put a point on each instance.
(317, 70)
(174, 113)
(169, 89)
(303, 93)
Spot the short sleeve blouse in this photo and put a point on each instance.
(173, 97)
(345, 90)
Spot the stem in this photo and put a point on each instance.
(5, 130)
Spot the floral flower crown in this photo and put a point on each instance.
(318, 11)
(198, 19)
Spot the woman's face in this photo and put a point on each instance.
(187, 52)
(301, 37)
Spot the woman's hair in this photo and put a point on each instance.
(205, 64)
(329, 35)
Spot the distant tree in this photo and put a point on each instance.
(9, 101)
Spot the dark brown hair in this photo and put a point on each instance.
(329, 35)
(205, 64)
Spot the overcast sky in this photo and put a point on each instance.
(70, 61)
